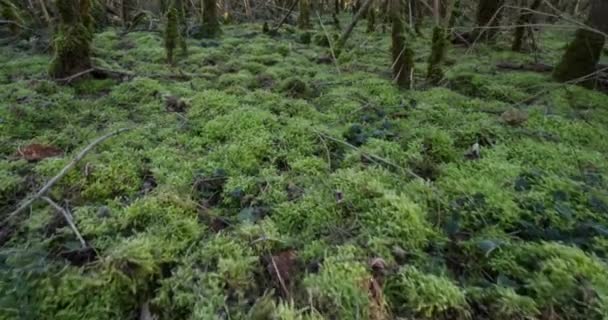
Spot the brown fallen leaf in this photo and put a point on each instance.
(37, 152)
(282, 268)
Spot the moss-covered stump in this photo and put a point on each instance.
(73, 38)
(581, 57)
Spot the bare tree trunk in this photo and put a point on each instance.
(346, 34)
(526, 17)
(403, 56)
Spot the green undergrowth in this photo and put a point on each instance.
(329, 164)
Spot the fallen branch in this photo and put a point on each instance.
(62, 173)
(536, 67)
(68, 218)
(369, 156)
(100, 72)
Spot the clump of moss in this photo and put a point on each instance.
(414, 293)
(295, 88)
(340, 288)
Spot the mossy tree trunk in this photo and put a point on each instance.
(171, 34)
(211, 25)
(403, 55)
(371, 20)
(439, 46)
(72, 43)
(304, 16)
(582, 55)
(526, 17)
(489, 14)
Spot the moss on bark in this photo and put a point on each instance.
(581, 56)
(171, 34)
(371, 20)
(73, 39)
(403, 55)
(304, 16)
(437, 57)
(211, 25)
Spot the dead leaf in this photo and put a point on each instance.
(377, 308)
(514, 117)
(282, 268)
(37, 152)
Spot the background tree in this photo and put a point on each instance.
(582, 55)
(73, 38)
(211, 25)
(489, 14)
(526, 17)
(439, 43)
(171, 34)
(403, 55)
(304, 16)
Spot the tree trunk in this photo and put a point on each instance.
(526, 17)
(582, 55)
(403, 56)
(439, 44)
(211, 25)
(304, 16)
(171, 34)
(72, 39)
(489, 14)
(346, 34)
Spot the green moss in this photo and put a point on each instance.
(339, 289)
(425, 295)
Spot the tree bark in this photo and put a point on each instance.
(403, 56)
(584, 52)
(526, 17)
(346, 34)
(72, 39)
(488, 19)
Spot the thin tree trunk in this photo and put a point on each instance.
(526, 17)
(346, 34)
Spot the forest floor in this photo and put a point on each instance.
(486, 197)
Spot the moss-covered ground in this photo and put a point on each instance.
(293, 189)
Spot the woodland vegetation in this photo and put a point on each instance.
(303, 159)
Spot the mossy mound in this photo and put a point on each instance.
(290, 189)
